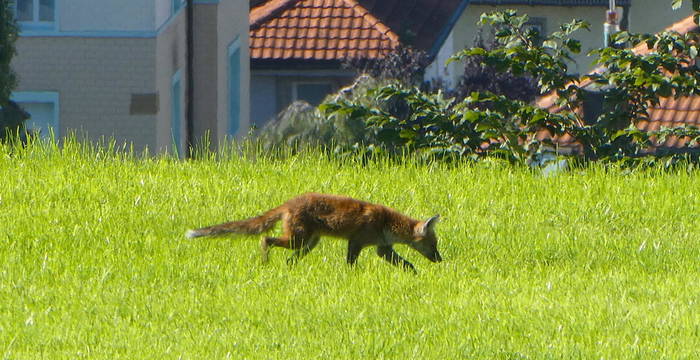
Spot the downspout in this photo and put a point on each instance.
(189, 113)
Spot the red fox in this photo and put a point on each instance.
(308, 217)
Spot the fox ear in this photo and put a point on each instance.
(428, 225)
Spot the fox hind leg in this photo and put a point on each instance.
(306, 247)
(267, 242)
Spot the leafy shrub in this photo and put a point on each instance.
(404, 64)
(301, 124)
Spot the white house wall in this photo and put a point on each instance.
(439, 70)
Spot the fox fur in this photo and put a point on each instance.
(309, 216)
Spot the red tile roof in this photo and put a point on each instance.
(669, 113)
(317, 30)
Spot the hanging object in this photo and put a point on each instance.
(612, 23)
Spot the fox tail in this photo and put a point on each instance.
(255, 225)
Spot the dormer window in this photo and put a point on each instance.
(36, 14)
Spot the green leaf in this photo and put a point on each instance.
(471, 116)
(407, 134)
(550, 44)
(676, 4)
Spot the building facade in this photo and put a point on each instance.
(119, 70)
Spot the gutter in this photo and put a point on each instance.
(189, 112)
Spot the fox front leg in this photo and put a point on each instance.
(354, 250)
(387, 253)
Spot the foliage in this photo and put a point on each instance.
(404, 64)
(483, 78)
(400, 117)
(11, 116)
(12, 119)
(8, 36)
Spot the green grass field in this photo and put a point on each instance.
(586, 264)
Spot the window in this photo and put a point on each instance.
(36, 14)
(311, 92)
(43, 110)
(540, 25)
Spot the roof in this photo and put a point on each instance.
(318, 30)
(669, 113)
(339, 29)
(551, 2)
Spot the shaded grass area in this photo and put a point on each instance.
(592, 263)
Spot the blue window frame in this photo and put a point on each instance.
(176, 5)
(36, 14)
(43, 108)
(176, 96)
(234, 86)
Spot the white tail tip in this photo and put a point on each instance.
(191, 234)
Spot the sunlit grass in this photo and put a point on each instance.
(591, 263)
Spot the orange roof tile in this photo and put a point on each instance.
(317, 30)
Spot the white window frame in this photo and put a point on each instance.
(41, 97)
(295, 85)
(35, 23)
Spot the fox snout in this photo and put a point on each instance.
(435, 257)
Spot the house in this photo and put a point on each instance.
(297, 46)
(670, 112)
(153, 73)
(639, 16)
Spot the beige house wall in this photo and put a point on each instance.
(95, 78)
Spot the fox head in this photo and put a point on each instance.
(424, 239)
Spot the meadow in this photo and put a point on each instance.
(589, 263)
